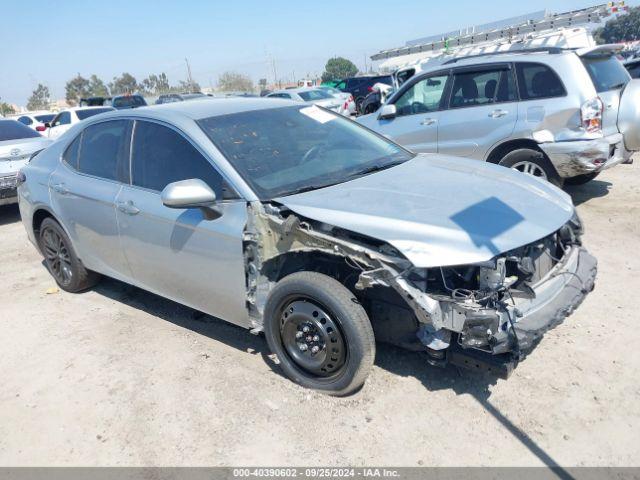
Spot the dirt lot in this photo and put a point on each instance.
(117, 376)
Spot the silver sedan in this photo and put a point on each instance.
(288, 219)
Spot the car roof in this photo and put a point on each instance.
(498, 57)
(202, 108)
(75, 109)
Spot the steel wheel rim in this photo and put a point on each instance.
(57, 256)
(304, 324)
(530, 168)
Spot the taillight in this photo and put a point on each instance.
(41, 128)
(370, 89)
(591, 115)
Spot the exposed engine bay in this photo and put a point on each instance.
(486, 316)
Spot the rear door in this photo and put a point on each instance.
(418, 113)
(609, 77)
(482, 110)
(83, 190)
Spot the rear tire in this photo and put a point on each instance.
(581, 179)
(61, 259)
(322, 336)
(532, 162)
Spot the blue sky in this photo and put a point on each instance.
(49, 42)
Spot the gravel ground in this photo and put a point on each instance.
(118, 376)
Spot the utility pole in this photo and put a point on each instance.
(189, 77)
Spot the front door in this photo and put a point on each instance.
(177, 253)
(60, 124)
(418, 114)
(482, 111)
(83, 190)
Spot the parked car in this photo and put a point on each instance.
(18, 143)
(178, 97)
(66, 118)
(123, 102)
(360, 87)
(562, 115)
(35, 120)
(294, 221)
(379, 94)
(95, 101)
(349, 104)
(313, 96)
(633, 67)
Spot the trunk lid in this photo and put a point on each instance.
(609, 78)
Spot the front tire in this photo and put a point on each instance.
(61, 259)
(532, 162)
(321, 334)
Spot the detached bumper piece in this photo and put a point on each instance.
(529, 329)
(558, 294)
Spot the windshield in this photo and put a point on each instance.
(44, 118)
(82, 114)
(281, 150)
(606, 72)
(13, 130)
(132, 101)
(311, 95)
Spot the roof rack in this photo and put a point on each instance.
(526, 27)
(552, 50)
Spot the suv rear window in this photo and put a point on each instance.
(538, 81)
(130, 101)
(606, 72)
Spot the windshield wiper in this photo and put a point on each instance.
(375, 168)
(308, 188)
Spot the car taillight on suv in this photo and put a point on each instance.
(591, 114)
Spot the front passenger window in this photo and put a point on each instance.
(422, 97)
(161, 156)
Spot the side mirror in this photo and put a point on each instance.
(47, 125)
(387, 112)
(192, 193)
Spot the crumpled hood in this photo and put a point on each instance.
(439, 210)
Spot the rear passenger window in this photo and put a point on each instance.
(538, 81)
(481, 88)
(70, 155)
(161, 156)
(104, 149)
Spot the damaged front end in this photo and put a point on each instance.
(484, 316)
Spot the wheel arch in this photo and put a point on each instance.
(499, 151)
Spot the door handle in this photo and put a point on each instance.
(498, 113)
(128, 207)
(428, 121)
(60, 188)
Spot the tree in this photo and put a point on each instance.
(76, 88)
(6, 109)
(155, 84)
(126, 83)
(97, 88)
(235, 82)
(192, 87)
(338, 68)
(39, 99)
(623, 28)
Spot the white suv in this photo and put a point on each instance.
(556, 114)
